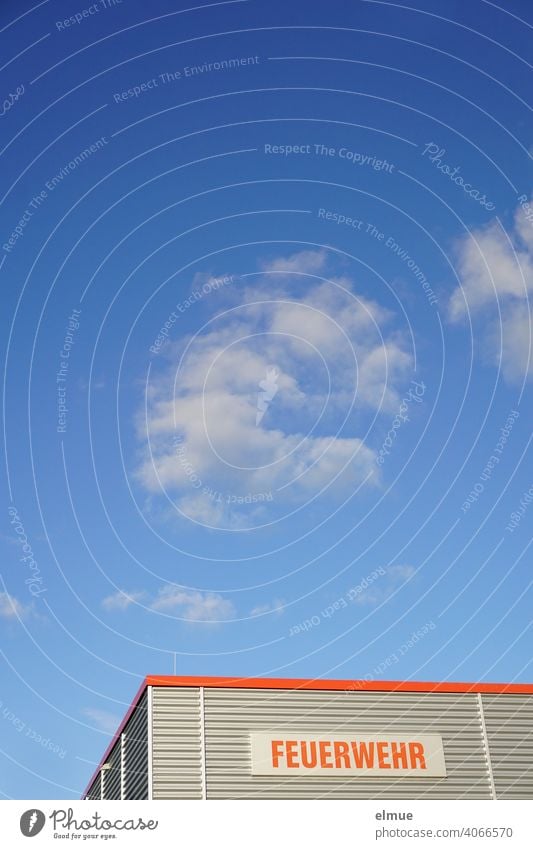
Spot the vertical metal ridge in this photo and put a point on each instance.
(509, 721)
(202, 744)
(486, 746)
(150, 744)
(122, 775)
(176, 743)
(136, 752)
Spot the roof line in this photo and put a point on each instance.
(307, 684)
(325, 684)
(118, 732)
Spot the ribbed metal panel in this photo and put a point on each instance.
(230, 714)
(136, 752)
(509, 724)
(112, 775)
(94, 792)
(176, 752)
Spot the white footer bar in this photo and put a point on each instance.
(258, 824)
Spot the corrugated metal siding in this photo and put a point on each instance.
(176, 752)
(136, 752)
(230, 714)
(509, 724)
(112, 776)
(94, 792)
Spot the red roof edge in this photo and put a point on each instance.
(307, 684)
(325, 684)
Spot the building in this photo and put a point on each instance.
(249, 738)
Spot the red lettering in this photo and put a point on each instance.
(416, 751)
(341, 750)
(363, 755)
(277, 752)
(399, 753)
(309, 761)
(292, 754)
(325, 753)
(383, 753)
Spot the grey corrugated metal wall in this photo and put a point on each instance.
(230, 714)
(112, 775)
(474, 729)
(177, 749)
(136, 752)
(509, 723)
(135, 760)
(94, 792)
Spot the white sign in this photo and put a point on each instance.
(290, 753)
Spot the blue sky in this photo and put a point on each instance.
(266, 334)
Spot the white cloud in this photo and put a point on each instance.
(103, 719)
(400, 573)
(12, 608)
(386, 585)
(302, 262)
(193, 605)
(121, 600)
(277, 606)
(496, 273)
(524, 227)
(335, 359)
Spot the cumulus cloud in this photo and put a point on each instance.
(301, 262)
(386, 586)
(496, 273)
(12, 608)
(103, 719)
(121, 600)
(277, 606)
(193, 605)
(260, 410)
